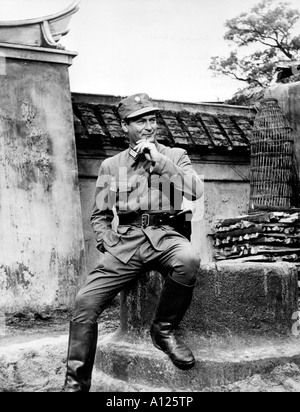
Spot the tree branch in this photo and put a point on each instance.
(236, 77)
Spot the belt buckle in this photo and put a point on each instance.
(145, 220)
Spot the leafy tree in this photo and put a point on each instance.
(267, 32)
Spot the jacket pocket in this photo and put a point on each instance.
(111, 238)
(123, 230)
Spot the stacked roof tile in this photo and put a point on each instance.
(98, 125)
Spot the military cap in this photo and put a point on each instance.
(136, 105)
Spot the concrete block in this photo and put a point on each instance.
(138, 303)
(250, 298)
(244, 298)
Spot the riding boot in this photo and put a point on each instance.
(174, 302)
(81, 355)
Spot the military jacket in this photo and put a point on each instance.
(129, 185)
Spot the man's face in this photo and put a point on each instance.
(141, 128)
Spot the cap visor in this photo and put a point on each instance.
(143, 111)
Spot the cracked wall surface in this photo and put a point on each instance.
(41, 250)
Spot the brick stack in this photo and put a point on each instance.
(261, 237)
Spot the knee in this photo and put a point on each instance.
(80, 301)
(192, 272)
(85, 311)
(190, 263)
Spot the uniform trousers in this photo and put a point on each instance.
(176, 258)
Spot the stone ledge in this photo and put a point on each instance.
(133, 365)
(13, 51)
(239, 298)
(256, 298)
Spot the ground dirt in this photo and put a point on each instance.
(26, 326)
(34, 347)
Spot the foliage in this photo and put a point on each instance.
(267, 31)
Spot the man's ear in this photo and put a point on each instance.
(124, 126)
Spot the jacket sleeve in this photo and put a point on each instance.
(181, 173)
(102, 214)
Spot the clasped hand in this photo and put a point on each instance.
(148, 149)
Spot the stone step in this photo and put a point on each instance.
(126, 364)
(135, 365)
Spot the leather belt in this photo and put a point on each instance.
(146, 219)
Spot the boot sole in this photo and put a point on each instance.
(182, 366)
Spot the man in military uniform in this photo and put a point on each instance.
(143, 188)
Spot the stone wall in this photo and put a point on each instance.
(41, 249)
(229, 299)
(253, 298)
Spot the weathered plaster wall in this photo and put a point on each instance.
(87, 192)
(42, 250)
(226, 194)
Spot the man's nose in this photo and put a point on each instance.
(148, 125)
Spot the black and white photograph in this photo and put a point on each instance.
(149, 198)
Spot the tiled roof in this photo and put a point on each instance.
(219, 129)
